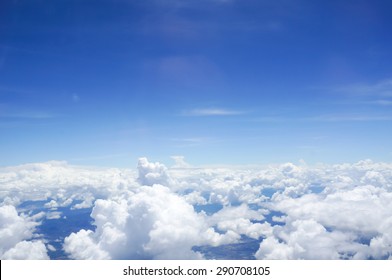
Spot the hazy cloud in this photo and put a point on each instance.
(202, 112)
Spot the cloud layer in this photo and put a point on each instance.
(295, 211)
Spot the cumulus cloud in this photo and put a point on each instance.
(153, 223)
(60, 183)
(53, 215)
(195, 198)
(339, 211)
(27, 250)
(15, 233)
(82, 245)
(151, 173)
(180, 162)
(239, 220)
(307, 239)
(347, 219)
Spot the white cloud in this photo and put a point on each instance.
(15, 231)
(27, 250)
(81, 245)
(14, 228)
(323, 211)
(239, 220)
(152, 173)
(180, 162)
(151, 223)
(381, 245)
(61, 183)
(54, 215)
(87, 201)
(348, 219)
(195, 198)
(52, 204)
(306, 239)
(51, 248)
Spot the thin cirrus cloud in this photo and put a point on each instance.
(378, 93)
(382, 102)
(191, 142)
(381, 88)
(27, 115)
(206, 112)
(18, 112)
(349, 118)
(328, 118)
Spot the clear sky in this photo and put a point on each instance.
(103, 82)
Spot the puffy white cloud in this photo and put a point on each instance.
(61, 183)
(381, 245)
(301, 211)
(363, 209)
(239, 220)
(15, 230)
(349, 218)
(53, 215)
(195, 198)
(52, 204)
(153, 173)
(82, 245)
(307, 239)
(153, 223)
(87, 201)
(27, 250)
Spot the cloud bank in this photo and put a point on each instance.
(293, 211)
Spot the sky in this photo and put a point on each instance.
(217, 81)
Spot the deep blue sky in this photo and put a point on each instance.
(103, 82)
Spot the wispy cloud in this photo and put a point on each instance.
(382, 88)
(272, 119)
(383, 102)
(192, 141)
(327, 118)
(205, 112)
(26, 115)
(99, 157)
(17, 112)
(350, 118)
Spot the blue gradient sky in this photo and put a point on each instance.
(236, 82)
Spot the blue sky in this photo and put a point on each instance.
(217, 81)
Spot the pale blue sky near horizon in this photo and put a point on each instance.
(217, 81)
